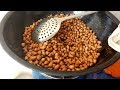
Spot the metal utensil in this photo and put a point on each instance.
(48, 27)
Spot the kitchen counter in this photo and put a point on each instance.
(9, 68)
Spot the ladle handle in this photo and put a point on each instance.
(77, 15)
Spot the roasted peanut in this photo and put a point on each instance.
(71, 67)
(34, 53)
(46, 62)
(64, 69)
(26, 58)
(74, 47)
(50, 64)
(23, 44)
(43, 59)
(57, 67)
(33, 58)
(38, 57)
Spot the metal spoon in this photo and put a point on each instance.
(48, 27)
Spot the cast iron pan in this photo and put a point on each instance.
(12, 28)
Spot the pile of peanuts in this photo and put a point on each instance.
(75, 47)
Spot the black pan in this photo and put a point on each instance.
(12, 28)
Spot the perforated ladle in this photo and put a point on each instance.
(48, 27)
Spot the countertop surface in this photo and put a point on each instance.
(10, 69)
